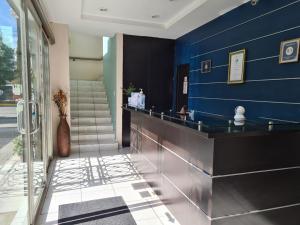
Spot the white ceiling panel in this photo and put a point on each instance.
(156, 18)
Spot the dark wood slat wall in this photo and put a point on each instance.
(148, 63)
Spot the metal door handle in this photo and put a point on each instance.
(20, 120)
(36, 126)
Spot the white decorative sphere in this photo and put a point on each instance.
(240, 110)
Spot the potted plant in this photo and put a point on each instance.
(127, 91)
(63, 129)
(18, 145)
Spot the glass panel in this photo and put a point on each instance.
(13, 163)
(36, 96)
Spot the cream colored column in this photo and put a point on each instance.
(119, 87)
(59, 71)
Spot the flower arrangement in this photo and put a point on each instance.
(60, 99)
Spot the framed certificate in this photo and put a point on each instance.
(236, 69)
(289, 51)
(206, 66)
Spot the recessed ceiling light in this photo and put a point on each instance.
(155, 16)
(103, 9)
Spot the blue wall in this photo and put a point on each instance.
(271, 90)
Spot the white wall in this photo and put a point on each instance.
(86, 46)
(59, 72)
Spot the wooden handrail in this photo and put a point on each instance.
(74, 58)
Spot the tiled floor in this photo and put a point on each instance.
(93, 175)
(14, 185)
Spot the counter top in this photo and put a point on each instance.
(211, 126)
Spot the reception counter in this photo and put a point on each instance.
(215, 173)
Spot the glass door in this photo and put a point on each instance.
(37, 108)
(13, 141)
(25, 116)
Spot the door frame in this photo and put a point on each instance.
(23, 35)
(47, 120)
(33, 208)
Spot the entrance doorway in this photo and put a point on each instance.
(24, 112)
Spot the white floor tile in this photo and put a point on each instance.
(154, 221)
(96, 175)
(54, 200)
(142, 212)
(168, 220)
(48, 219)
(97, 192)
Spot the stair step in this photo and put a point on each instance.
(93, 132)
(94, 84)
(89, 106)
(86, 129)
(88, 100)
(92, 137)
(85, 82)
(91, 90)
(91, 121)
(98, 88)
(91, 128)
(88, 94)
(90, 146)
(90, 113)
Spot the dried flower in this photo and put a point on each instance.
(60, 99)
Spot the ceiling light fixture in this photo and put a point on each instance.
(103, 9)
(155, 16)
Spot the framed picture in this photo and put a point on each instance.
(206, 66)
(289, 51)
(236, 69)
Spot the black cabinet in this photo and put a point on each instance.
(148, 63)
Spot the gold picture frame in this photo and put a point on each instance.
(236, 68)
(289, 51)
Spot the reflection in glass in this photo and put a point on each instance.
(13, 166)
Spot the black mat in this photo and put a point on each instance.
(108, 211)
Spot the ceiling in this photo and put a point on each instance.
(156, 18)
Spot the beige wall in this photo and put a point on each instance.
(86, 46)
(59, 71)
(119, 87)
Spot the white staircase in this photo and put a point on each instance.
(91, 125)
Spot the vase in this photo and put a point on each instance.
(63, 137)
